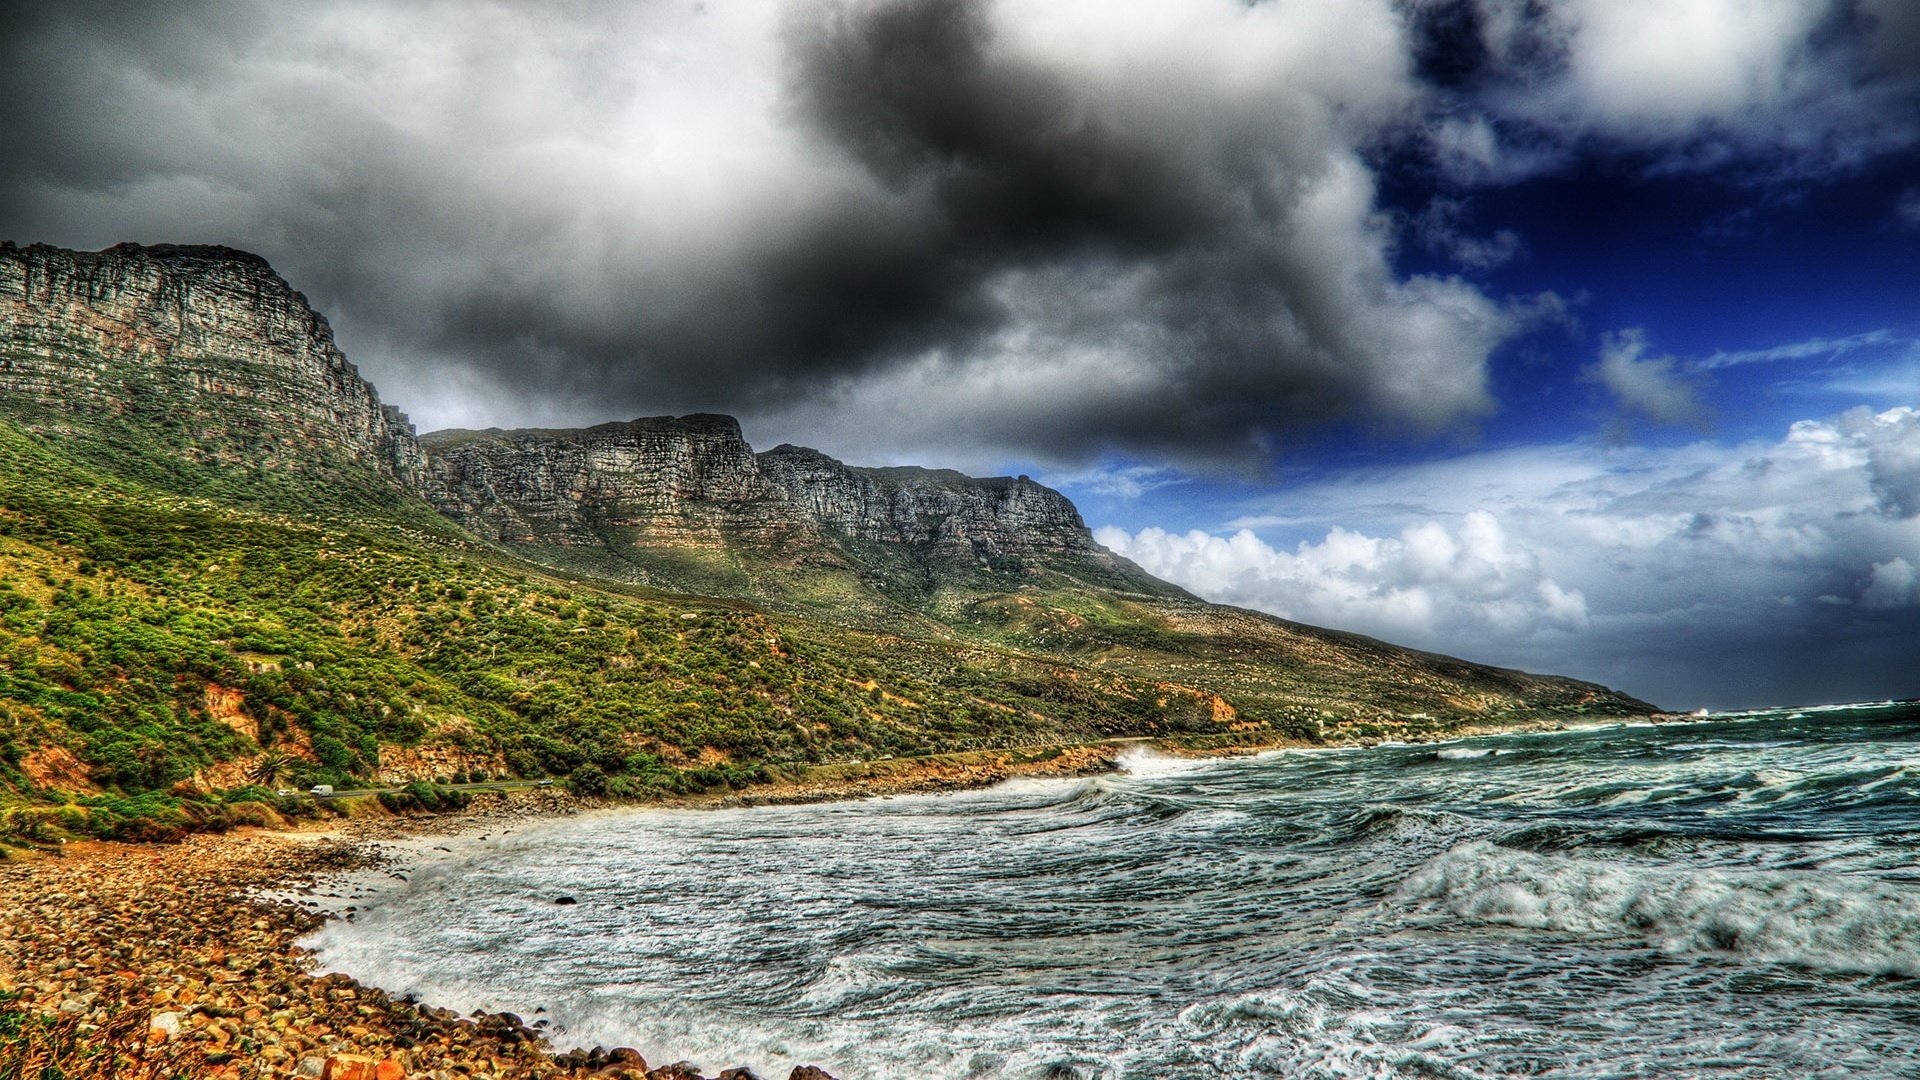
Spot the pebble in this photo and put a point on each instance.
(170, 945)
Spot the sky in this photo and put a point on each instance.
(1573, 335)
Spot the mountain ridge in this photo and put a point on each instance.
(188, 328)
(201, 331)
(653, 487)
(217, 545)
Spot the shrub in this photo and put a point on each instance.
(588, 780)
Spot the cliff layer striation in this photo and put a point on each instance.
(207, 346)
(654, 492)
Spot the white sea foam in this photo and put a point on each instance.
(1191, 919)
(1470, 753)
(1151, 765)
(1861, 924)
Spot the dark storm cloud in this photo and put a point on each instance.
(892, 227)
(1213, 252)
(802, 214)
(1014, 156)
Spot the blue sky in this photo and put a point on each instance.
(1760, 306)
(1577, 335)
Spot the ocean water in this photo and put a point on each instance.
(1738, 897)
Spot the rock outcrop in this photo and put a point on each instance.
(660, 480)
(693, 483)
(207, 342)
(931, 509)
(212, 356)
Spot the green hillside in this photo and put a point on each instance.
(150, 639)
(227, 567)
(157, 646)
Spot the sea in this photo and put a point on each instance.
(1735, 895)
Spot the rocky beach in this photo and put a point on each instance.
(181, 960)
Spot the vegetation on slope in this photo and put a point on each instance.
(219, 575)
(180, 636)
(155, 643)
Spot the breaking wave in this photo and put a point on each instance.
(1718, 898)
(1823, 921)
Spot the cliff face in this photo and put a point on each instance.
(207, 341)
(931, 509)
(214, 348)
(692, 482)
(216, 359)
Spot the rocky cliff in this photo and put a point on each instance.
(930, 509)
(207, 343)
(692, 483)
(212, 357)
(662, 480)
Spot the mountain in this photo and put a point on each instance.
(220, 551)
(204, 354)
(686, 503)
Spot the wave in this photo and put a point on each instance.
(1332, 1026)
(1830, 922)
(1146, 764)
(1644, 839)
(1472, 753)
(1396, 827)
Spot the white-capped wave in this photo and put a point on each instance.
(1470, 753)
(1332, 1026)
(1151, 764)
(1831, 923)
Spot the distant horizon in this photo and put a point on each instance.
(1571, 336)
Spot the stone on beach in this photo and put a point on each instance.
(173, 949)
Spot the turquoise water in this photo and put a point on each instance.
(1738, 897)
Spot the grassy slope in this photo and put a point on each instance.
(165, 623)
(1305, 680)
(154, 636)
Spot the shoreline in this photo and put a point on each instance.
(187, 954)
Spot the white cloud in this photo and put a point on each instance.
(1441, 229)
(1117, 481)
(1648, 385)
(1667, 65)
(1824, 347)
(1892, 442)
(1769, 571)
(1888, 381)
(1432, 579)
(1773, 88)
(1892, 584)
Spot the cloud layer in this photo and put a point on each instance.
(1770, 572)
(1060, 228)
(1768, 89)
(1027, 221)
